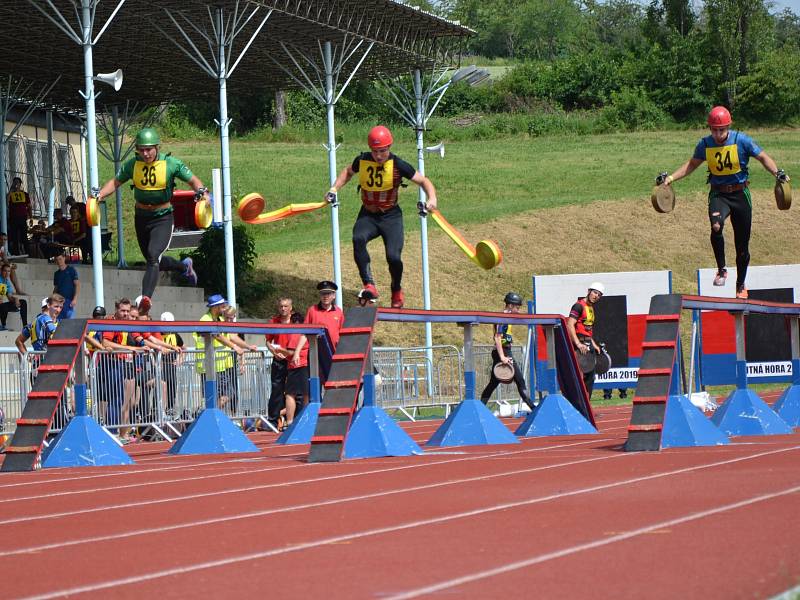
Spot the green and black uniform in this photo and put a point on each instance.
(153, 184)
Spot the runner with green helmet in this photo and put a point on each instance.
(153, 175)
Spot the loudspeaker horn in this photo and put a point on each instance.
(437, 149)
(113, 79)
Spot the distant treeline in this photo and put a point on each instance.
(605, 65)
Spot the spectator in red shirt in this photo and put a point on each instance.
(277, 343)
(326, 313)
(297, 377)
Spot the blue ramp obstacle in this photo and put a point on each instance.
(556, 414)
(788, 405)
(82, 442)
(661, 418)
(471, 423)
(742, 413)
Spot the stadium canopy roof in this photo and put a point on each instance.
(155, 71)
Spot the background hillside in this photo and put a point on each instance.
(555, 204)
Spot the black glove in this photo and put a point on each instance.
(661, 178)
(332, 198)
(200, 193)
(781, 176)
(422, 209)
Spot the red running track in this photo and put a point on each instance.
(568, 516)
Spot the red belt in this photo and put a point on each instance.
(728, 188)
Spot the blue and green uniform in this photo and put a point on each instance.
(729, 196)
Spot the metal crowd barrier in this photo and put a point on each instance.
(162, 392)
(406, 373)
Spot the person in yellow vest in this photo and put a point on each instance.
(380, 175)
(19, 211)
(153, 176)
(224, 362)
(169, 367)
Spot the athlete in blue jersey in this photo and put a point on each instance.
(727, 153)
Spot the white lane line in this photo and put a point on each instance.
(251, 488)
(195, 478)
(295, 507)
(535, 560)
(191, 568)
(39, 480)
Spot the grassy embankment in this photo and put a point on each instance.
(554, 205)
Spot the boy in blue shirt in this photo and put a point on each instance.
(727, 153)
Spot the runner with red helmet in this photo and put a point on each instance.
(727, 152)
(380, 174)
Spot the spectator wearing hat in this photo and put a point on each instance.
(101, 362)
(66, 283)
(501, 353)
(326, 313)
(224, 360)
(27, 330)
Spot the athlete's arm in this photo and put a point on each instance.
(345, 176)
(426, 185)
(197, 185)
(573, 335)
(685, 169)
(769, 164)
(108, 188)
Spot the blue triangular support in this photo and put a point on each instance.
(302, 428)
(471, 424)
(685, 425)
(555, 415)
(373, 434)
(212, 433)
(744, 413)
(83, 443)
(788, 406)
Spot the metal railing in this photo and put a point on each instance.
(164, 391)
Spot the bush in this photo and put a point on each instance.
(211, 253)
(771, 92)
(630, 109)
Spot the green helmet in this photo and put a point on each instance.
(147, 137)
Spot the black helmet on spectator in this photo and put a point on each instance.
(513, 298)
(99, 312)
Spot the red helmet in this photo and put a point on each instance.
(719, 117)
(379, 137)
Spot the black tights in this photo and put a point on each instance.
(494, 382)
(739, 207)
(7, 307)
(389, 226)
(154, 235)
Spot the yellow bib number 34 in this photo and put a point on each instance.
(723, 160)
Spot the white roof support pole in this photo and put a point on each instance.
(220, 65)
(321, 81)
(87, 19)
(224, 122)
(330, 103)
(116, 140)
(423, 221)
